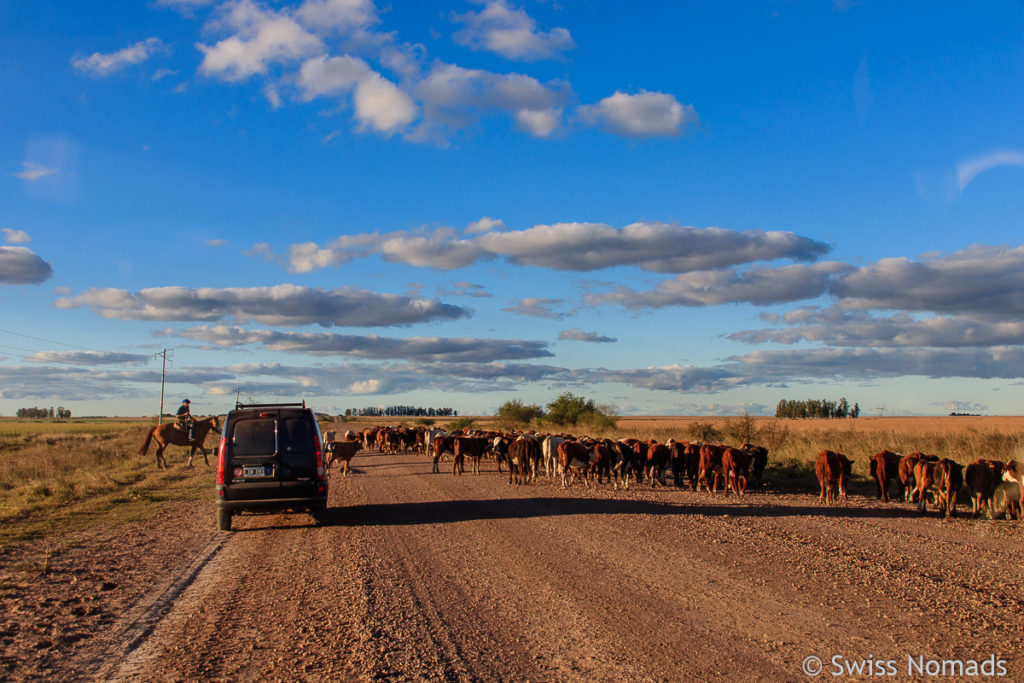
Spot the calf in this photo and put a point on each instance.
(1013, 473)
(441, 444)
(981, 480)
(710, 467)
(471, 447)
(833, 469)
(942, 480)
(626, 462)
(758, 461)
(885, 468)
(523, 459)
(907, 468)
(736, 469)
(573, 458)
(549, 451)
(343, 451)
(658, 457)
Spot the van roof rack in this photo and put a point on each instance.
(240, 405)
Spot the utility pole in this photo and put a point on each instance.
(163, 379)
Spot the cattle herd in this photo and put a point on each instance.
(917, 477)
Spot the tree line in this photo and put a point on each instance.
(817, 408)
(61, 413)
(400, 411)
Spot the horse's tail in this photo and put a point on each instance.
(149, 437)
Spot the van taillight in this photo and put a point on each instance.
(220, 461)
(319, 457)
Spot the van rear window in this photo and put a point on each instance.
(298, 435)
(254, 437)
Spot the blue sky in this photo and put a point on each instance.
(689, 208)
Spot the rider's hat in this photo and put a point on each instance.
(186, 401)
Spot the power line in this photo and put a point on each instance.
(53, 341)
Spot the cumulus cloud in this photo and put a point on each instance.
(978, 280)
(759, 286)
(454, 98)
(838, 327)
(643, 115)
(21, 266)
(258, 39)
(670, 378)
(422, 349)
(33, 171)
(966, 171)
(538, 307)
(278, 305)
(510, 32)
(656, 247)
(576, 334)
(337, 16)
(106, 64)
(12, 236)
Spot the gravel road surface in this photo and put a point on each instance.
(418, 576)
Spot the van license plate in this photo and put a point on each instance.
(256, 471)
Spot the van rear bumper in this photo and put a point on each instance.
(274, 504)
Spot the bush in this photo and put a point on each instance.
(568, 410)
(461, 423)
(704, 431)
(515, 413)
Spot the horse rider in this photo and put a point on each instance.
(185, 419)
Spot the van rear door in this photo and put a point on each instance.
(297, 456)
(254, 466)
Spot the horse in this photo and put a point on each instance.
(168, 433)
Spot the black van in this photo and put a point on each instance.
(270, 460)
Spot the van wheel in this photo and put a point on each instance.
(223, 519)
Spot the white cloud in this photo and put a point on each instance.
(838, 327)
(966, 171)
(454, 98)
(422, 349)
(379, 103)
(656, 247)
(21, 266)
(759, 286)
(509, 32)
(33, 171)
(107, 64)
(538, 307)
(259, 38)
(540, 123)
(88, 358)
(12, 236)
(646, 114)
(278, 305)
(337, 16)
(576, 334)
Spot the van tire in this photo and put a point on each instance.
(223, 519)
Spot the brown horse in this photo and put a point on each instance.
(168, 433)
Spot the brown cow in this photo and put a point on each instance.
(658, 458)
(471, 447)
(343, 451)
(1013, 473)
(907, 466)
(833, 469)
(523, 459)
(981, 479)
(710, 467)
(758, 461)
(441, 444)
(942, 480)
(885, 468)
(736, 468)
(574, 457)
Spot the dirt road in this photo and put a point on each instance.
(420, 576)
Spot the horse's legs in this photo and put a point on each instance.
(160, 462)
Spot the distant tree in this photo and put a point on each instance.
(568, 409)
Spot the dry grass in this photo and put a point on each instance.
(52, 481)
